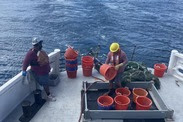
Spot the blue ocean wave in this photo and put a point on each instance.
(154, 27)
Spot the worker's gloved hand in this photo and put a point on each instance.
(24, 73)
(116, 67)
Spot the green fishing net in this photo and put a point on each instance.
(135, 71)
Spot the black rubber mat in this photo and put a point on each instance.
(92, 104)
(92, 97)
(34, 109)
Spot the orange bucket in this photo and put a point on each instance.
(139, 92)
(159, 70)
(87, 72)
(87, 65)
(87, 60)
(72, 74)
(121, 102)
(143, 103)
(123, 91)
(108, 71)
(70, 53)
(105, 103)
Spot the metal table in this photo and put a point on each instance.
(158, 112)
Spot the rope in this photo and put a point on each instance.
(98, 78)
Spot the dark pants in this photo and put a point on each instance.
(43, 80)
(116, 80)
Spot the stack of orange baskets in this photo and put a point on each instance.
(71, 62)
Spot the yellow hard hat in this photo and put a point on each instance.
(114, 47)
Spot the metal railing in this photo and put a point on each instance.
(15, 89)
(175, 66)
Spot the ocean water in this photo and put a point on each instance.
(155, 27)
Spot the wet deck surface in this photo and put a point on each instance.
(68, 94)
(67, 106)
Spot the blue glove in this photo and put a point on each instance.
(24, 73)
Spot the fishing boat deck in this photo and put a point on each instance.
(67, 106)
(68, 94)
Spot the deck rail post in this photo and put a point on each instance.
(172, 61)
(57, 61)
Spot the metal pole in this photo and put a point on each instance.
(133, 52)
